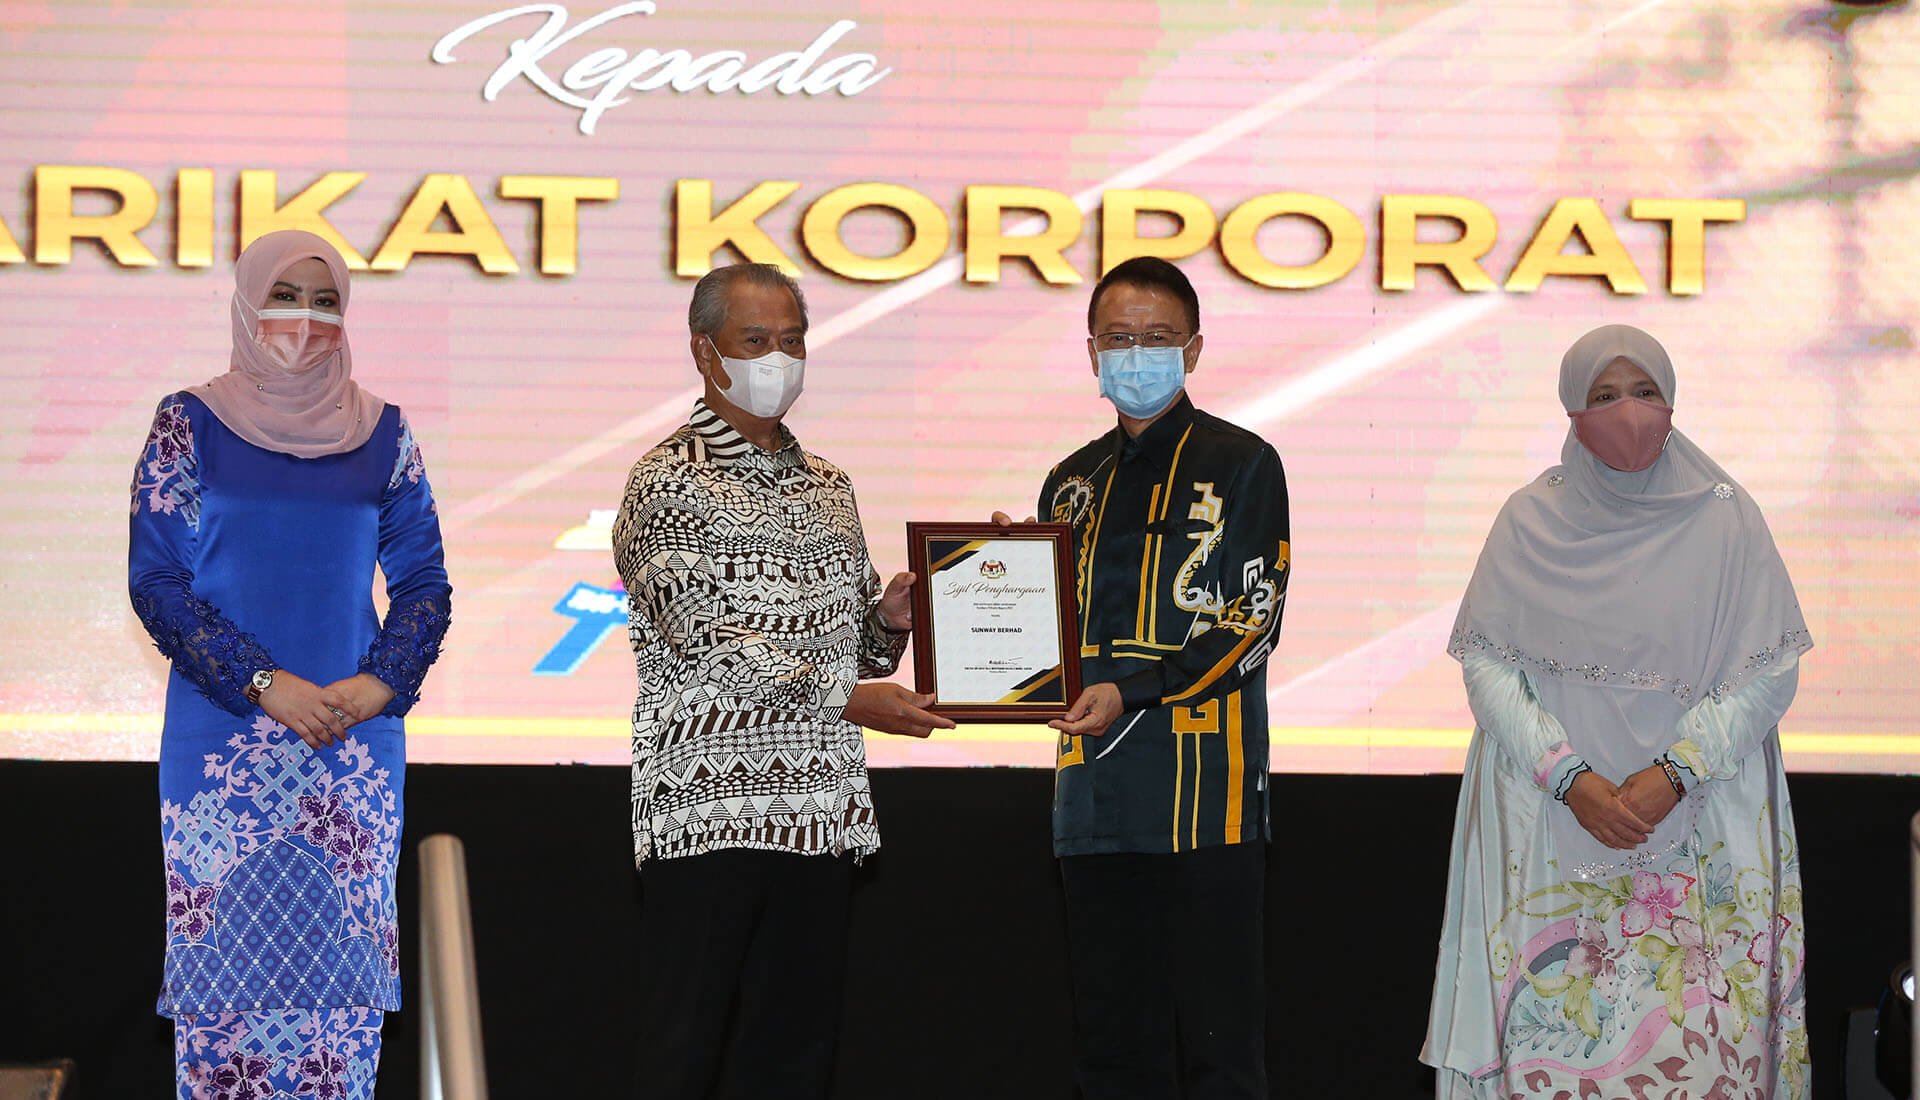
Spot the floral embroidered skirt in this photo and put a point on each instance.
(323, 1053)
(1686, 979)
(281, 925)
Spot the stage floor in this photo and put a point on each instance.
(956, 984)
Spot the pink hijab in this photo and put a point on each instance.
(317, 412)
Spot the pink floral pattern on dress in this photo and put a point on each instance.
(1765, 941)
(1683, 982)
(1593, 958)
(1655, 897)
(1741, 1078)
(1700, 955)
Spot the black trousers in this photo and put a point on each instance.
(1169, 973)
(744, 955)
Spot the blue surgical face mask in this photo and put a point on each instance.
(1141, 382)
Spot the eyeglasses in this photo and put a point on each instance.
(1158, 338)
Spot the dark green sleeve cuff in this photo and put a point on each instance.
(1140, 690)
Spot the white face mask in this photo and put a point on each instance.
(767, 386)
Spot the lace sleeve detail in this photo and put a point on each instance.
(206, 648)
(419, 599)
(408, 644)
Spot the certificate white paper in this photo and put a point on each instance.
(996, 622)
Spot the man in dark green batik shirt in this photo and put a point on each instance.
(1160, 812)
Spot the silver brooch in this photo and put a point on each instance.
(1723, 490)
(1556, 479)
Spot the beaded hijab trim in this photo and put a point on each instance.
(1464, 641)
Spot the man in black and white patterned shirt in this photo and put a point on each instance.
(754, 612)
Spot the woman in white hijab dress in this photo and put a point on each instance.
(1623, 911)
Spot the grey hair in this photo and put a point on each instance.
(707, 313)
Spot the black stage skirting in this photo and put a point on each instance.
(957, 985)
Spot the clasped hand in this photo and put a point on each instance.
(1623, 816)
(322, 715)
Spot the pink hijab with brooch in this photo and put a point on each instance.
(290, 387)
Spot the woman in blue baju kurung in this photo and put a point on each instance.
(261, 505)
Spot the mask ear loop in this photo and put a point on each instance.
(719, 364)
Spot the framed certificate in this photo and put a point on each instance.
(996, 623)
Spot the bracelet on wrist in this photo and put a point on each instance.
(1673, 776)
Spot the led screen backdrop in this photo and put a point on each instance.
(1398, 214)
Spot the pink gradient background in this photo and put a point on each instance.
(533, 394)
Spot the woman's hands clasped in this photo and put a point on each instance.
(322, 715)
(1648, 794)
(318, 714)
(1604, 811)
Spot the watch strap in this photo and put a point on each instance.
(260, 681)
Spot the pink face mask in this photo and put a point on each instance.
(298, 340)
(1627, 433)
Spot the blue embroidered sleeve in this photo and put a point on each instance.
(419, 599)
(206, 648)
